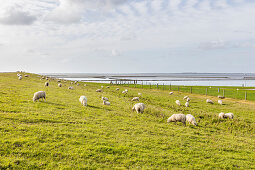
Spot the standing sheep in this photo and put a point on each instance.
(39, 95)
(59, 85)
(188, 99)
(185, 97)
(106, 102)
(83, 100)
(46, 84)
(191, 119)
(135, 99)
(229, 115)
(221, 115)
(177, 118)
(187, 104)
(117, 89)
(178, 102)
(20, 77)
(209, 101)
(70, 88)
(139, 107)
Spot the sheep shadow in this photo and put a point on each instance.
(56, 104)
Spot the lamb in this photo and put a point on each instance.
(221, 115)
(59, 85)
(105, 98)
(106, 102)
(170, 93)
(99, 90)
(187, 104)
(191, 119)
(83, 100)
(220, 102)
(39, 95)
(178, 102)
(209, 101)
(177, 118)
(46, 84)
(135, 99)
(229, 115)
(139, 107)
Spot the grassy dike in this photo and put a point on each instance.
(61, 133)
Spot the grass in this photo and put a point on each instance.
(61, 133)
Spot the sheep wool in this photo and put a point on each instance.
(83, 100)
(191, 119)
(139, 107)
(177, 118)
(39, 95)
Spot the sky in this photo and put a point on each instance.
(127, 36)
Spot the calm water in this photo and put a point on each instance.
(195, 79)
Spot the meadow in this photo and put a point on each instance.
(61, 133)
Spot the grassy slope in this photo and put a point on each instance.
(60, 133)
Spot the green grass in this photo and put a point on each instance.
(61, 133)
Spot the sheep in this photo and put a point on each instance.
(106, 102)
(46, 84)
(177, 118)
(25, 75)
(105, 98)
(209, 101)
(191, 119)
(229, 115)
(59, 81)
(124, 92)
(178, 102)
(59, 85)
(139, 94)
(102, 87)
(70, 88)
(187, 104)
(20, 77)
(99, 90)
(220, 102)
(83, 100)
(139, 107)
(18, 74)
(78, 84)
(39, 95)
(170, 93)
(135, 99)
(185, 97)
(85, 85)
(188, 99)
(47, 78)
(71, 82)
(221, 97)
(221, 115)
(75, 82)
(108, 87)
(117, 89)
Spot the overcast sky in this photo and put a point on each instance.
(127, 36)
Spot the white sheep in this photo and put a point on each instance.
(85, 85)
(139, 94)
(46, 84)
(70, 88)
(99, 90)
(39, 95)
(220, 102)
(106, 102)
(124, 92)
(83, 100)
(117, 89)
(185, 97)
(177, 118)
(108, 87)
(221, 115)
(139, 107)
(105, 98)
(191, 119)
(178, 102)
(135, 99)
(20, 77)
(188, 99)
(209, 101)
(229, 115)
(102, 87)
(75, 82)
(170, 93)
(187, 104)
(59, 85)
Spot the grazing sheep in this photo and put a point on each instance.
(191, 119)
(59, 85)
(39, 95)
(185, 97)
(20, 77)
(170, 93)
(99, 90)
(221, 115)
(117, 89)
(124, 92)
(229, 115)
(177, 118)
(135, 99)
(105, 98)
(178, 102)
(221, 97)
(83, 100)
(70, 88)
(220, 102)
(188, 99)
(139, 107)
(187, 104)
(106, 102)
(46, 84)
(209, 101)
(139, 94)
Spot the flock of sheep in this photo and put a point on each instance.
(138, 107)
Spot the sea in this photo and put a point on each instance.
(186, 79)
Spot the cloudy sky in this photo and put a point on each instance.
(123, 36)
